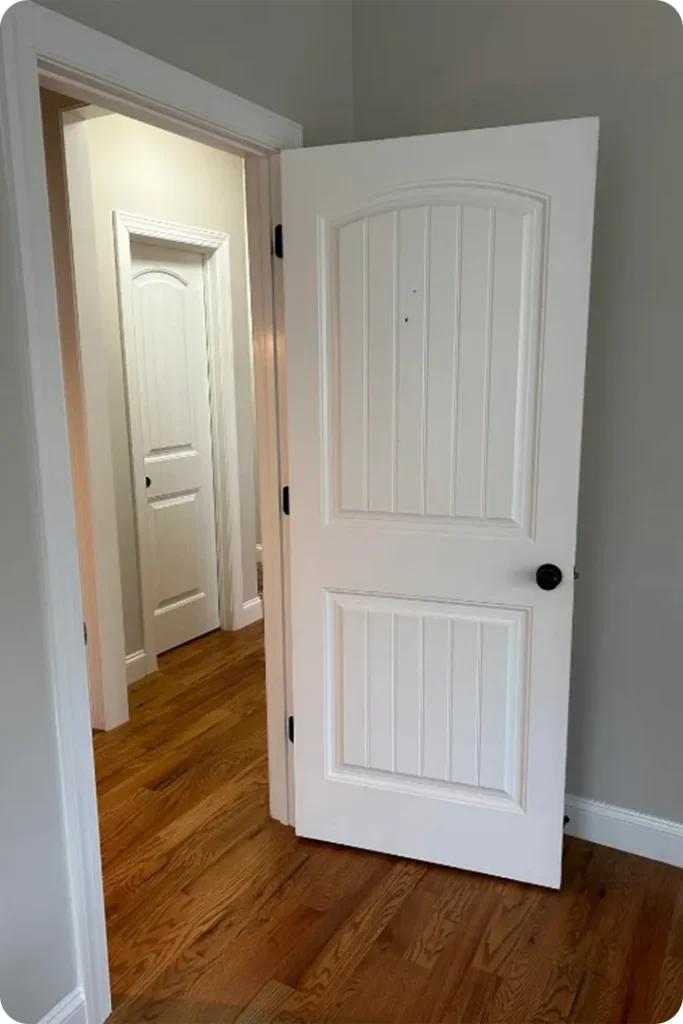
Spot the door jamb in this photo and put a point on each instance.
(264, 208)
(109, 687)
(39, 44)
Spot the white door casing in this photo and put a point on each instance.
(36, 42)
(436, 299)
(169, 382)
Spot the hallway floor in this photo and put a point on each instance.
(218, 914)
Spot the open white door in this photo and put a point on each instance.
(436, 300)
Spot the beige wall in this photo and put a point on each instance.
(52, 104)
(432, 67)
(138, 169)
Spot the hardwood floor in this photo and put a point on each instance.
(218, 914)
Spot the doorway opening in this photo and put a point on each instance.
(153, 237)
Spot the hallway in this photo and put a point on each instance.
(218, 914)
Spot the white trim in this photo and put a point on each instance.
(252, 611)
(84, 63)
(136, 667)
(33, 291)
(109, 695)
(281, 440)
(622, 829)
(215, 245)
(261, 178)
(98, 69)
(154, 230)
(224, 433)
(70, 1010)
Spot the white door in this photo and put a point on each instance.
(436, 299)
(172, 385)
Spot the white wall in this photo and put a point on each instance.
(433, 67)
(291, 56)
(138, 169)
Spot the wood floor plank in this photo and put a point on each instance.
(322, 985)
(648, 949)
(468, 917)
(264, 1007)
(473, 1000)
(270, 942)
(541, 987)
(218, 915)
(138, 867)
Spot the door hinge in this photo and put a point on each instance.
(277, 241)
(285, 500)
(85, 632)
(290, 728)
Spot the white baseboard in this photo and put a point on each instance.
(626, 830)
(252, 611)
(136, 666)
(71, 1010)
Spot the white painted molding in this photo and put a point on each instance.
(109, 695)
(264, 208)
(71, 1010)
(252, 611)
(626, 830)
(136, 666)
(198, 239)
(97, 69)
(94, 67)
(34, 310)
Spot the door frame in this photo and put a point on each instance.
(108, 686)
(39, 45)
(235, 612)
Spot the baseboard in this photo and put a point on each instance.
(626, 830)
(252, 611)
(136, 666)
(71, 1010)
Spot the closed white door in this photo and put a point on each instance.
(172, 385)
(436, 299)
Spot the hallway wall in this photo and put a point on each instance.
(182, 181)
(52, 106)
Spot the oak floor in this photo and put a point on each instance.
(218, 914)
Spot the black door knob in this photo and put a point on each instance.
(148, 481)
(548, 576)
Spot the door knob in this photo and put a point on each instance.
(148, 481)
(548, 576)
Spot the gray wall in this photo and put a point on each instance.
(423, 67)
(292, 56)
(36, 942)
(432, 67)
